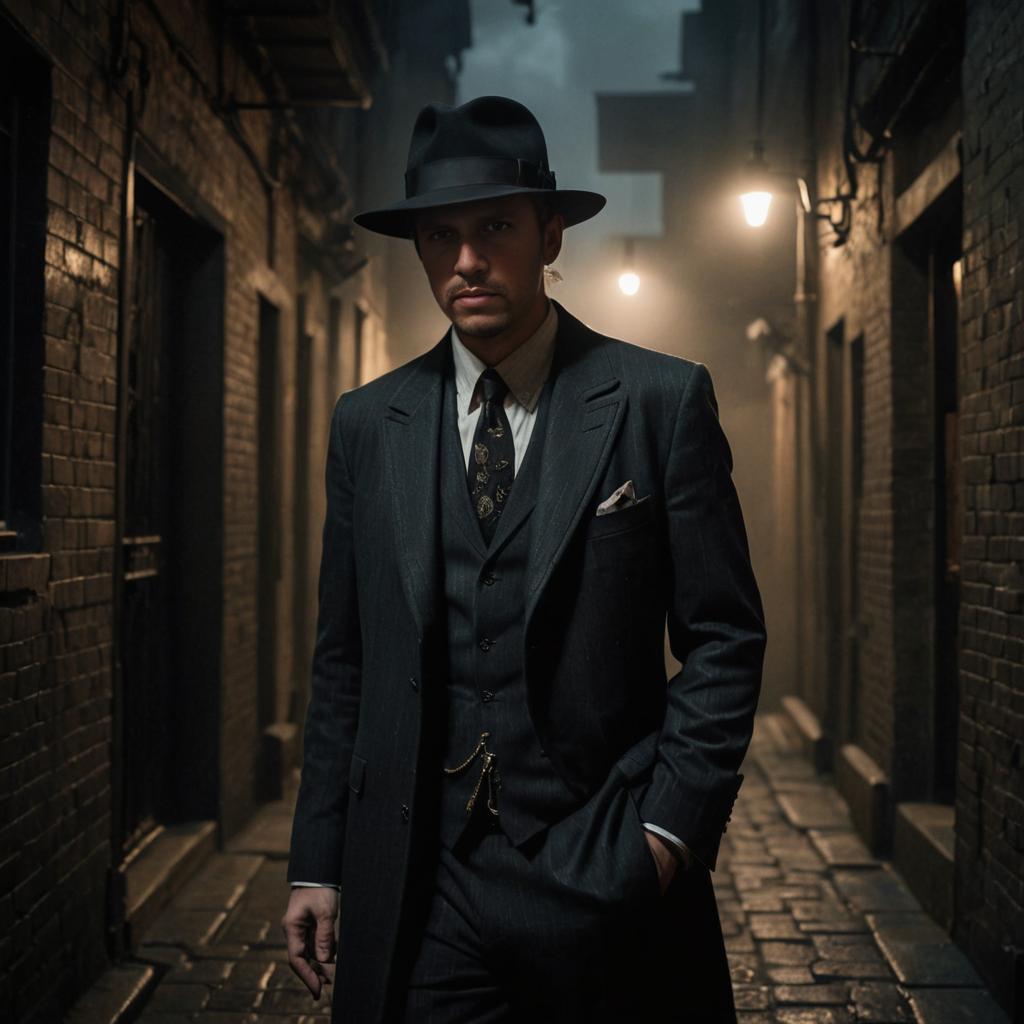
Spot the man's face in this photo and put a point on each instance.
(485, 262)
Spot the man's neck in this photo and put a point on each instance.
(494, 349)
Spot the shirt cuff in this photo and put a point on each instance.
(679, 849)
(316, 885)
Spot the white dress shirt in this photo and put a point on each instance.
(524, 371)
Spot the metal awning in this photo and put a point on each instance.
(325, 52)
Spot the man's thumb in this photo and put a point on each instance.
(324, 939)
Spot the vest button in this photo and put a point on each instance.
(414, 682)
(486, 696)
(405, 812)
(486, 644)
(490, 579)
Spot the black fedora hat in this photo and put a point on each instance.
(489, 147)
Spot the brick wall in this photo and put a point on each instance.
(876, 285)
(990, 771)
(57, 606)
(854, 293)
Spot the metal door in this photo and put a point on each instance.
(148, 742)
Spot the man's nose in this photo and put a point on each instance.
(470, 261)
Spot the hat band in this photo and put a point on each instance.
(475, 170)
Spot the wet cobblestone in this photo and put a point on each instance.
(817, 931)
(219, 945)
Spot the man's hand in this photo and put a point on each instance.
(308, 926)
(663, 858)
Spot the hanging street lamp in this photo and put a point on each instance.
(629, 280)
(756, 198)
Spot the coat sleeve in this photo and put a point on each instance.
(716, 630)
(318, 828)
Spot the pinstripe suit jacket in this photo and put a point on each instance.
(599, 591)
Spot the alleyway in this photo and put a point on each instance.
(818, 931)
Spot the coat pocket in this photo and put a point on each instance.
(621, 521)
(357, 774)
(624, 543)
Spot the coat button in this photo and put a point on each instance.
(486, 644)
(490, 579)
(414, 682)
(486, 696)
(405, 812)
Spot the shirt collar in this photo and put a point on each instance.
(524, 371)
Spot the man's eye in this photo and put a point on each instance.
(498, 225)
(439, 235)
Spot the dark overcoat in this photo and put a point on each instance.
(599, 591)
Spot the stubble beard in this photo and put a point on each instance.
(491, 329)
(478, 325)
(496, 323)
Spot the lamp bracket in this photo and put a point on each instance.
(821, 208)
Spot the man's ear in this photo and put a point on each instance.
(553, 237)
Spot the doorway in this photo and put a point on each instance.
(945, 272)
(834, 564)
(169, 629)
(302, 598)
(928, 260)
(844, 475)
(268, 509)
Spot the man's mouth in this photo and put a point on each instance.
(475, 297)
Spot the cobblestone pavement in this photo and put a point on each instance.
(816, 929)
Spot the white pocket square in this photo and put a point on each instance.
(622, 497)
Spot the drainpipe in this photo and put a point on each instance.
(805, 301)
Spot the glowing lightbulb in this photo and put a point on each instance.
(629, 283)
(755, 207)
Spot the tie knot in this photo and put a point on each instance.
(493, 387)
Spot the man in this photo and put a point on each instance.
(520, 810)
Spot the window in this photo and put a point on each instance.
(24, 144)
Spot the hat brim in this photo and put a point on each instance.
(398, 220)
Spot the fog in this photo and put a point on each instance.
(556, 67)
(662, 151)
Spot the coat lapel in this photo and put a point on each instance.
(588, 401)
(412, 428)
(456, 500)
(587, 404)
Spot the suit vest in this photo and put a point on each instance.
(485, 597)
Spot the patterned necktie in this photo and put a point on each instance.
(493, 458)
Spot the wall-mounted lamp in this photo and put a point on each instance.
(757, 190)
(756, 196)
(840, 224)
(760, 183)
